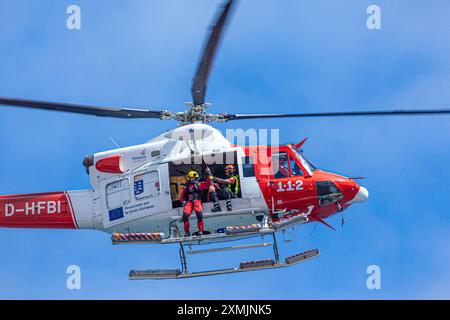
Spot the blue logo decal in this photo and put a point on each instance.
(116, 214)
(138, 185)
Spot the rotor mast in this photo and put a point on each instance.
(196, 112)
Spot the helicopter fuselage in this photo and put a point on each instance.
(136, 189)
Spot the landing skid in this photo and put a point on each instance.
(243, 267)
(236, 232)
(178, 274)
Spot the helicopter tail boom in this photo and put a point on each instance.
(50, 210)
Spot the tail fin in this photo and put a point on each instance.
(51, 210)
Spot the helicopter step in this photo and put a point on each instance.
(242, 231)
(222, 234)
(243, 267)
(158, 238)
(290, 220)
(137, 237)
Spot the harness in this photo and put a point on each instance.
(234, 188)
(193, 193)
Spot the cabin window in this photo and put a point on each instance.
(147, 185)
(248, 167)
(155, 153)
(118, 194)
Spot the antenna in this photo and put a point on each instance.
(115, 143)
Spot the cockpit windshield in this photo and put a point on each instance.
(305, 161)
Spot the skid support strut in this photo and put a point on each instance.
(183, 259)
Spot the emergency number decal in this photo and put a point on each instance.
(289, 185)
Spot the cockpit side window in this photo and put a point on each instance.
(295, 169)
(280, 165)
(285, 166)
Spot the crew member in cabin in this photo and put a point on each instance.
(191, 199)
(228, 188)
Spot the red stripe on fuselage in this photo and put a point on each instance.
(50, 210)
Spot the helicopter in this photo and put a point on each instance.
(135, 191)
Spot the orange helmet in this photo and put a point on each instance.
(230, 168)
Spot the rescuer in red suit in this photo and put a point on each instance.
(191, 199)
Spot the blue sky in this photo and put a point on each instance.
(288, 55)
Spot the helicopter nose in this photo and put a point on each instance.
(361, 196)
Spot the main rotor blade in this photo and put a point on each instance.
(111, 112)
(200, 82)
(413, 112)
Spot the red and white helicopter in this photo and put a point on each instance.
(135, 190)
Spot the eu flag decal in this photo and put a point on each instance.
(116, 214)
(138, 185)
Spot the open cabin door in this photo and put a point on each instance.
(135, 194)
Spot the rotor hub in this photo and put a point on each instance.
(195, 114)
